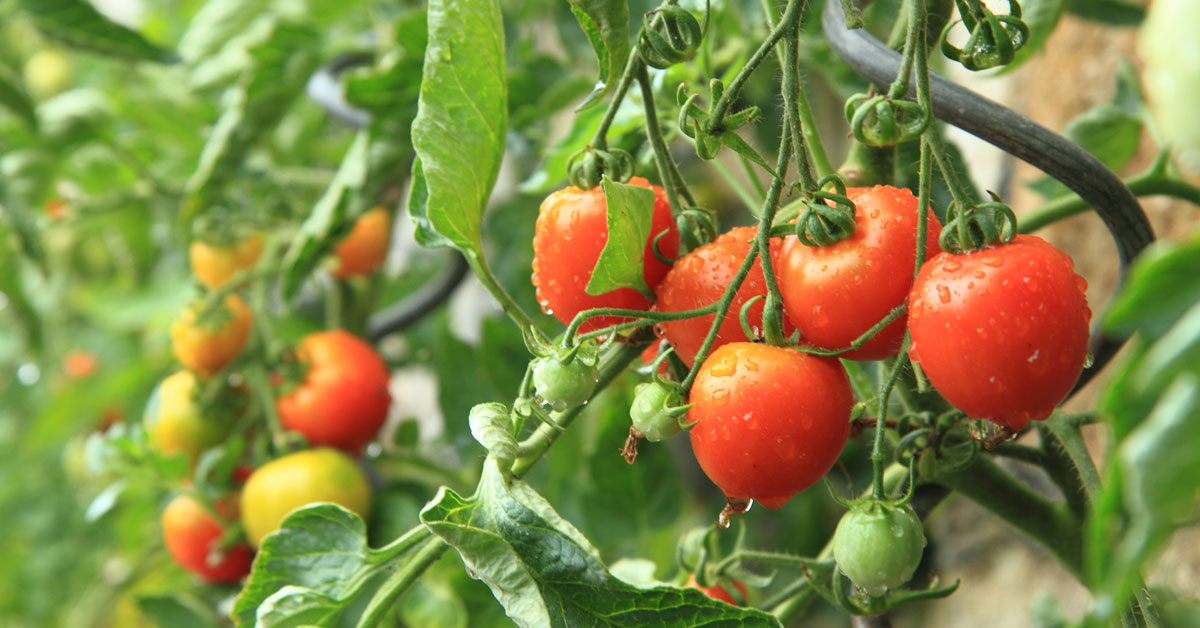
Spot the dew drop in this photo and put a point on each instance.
(1088, 360)
(951, 266)
(993, 261)
(943, 293)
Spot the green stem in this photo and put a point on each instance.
(771, 323)
(484, 272)
(721, 107)
(399, 582)
(792, 91)
(752, 176)
(647, 317)
(1146, 184)
(260, 386)
(1068, 463)
(536, 445)
(600, 138)
(878, 459)
(752, 204)
(863, 339)
(672, 180)
(719, 316)
(1050, 524)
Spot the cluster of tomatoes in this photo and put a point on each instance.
(331, 389)
(1000, 332)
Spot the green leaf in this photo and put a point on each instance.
(1108, 132)
(79, 24)
(735, 141)
(169, 611)
(461, 119)
(215, 24)
(319, 557)
(1041, 16)
(281, 66)
(14, 97)
(297, 607)
(553, 169)
(1111, 12)
(546, 575)
(1160, 459)
(1161, 286)
(629, 214)
(606, 24)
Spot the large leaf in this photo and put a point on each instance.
(630, 209)
(78, 23)
(606, 24)
(546, 575)
(281, 67)
(215, 24)
(461, 119)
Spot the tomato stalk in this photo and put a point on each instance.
(668, 171)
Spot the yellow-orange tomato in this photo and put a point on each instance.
(206, 346)
(175, 423)
(190, 532)
(295, 480)
(365, 248)
(214, 264)
(79, 364)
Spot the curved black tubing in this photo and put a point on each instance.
(1019, 136)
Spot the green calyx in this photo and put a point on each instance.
(670, 34)
(586, 167)
(827, 214)
(884, 120)
(994, 39)
(977, 227)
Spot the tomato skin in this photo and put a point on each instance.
(878, 545)
(344, 398)
(215, 264)
(717, 591)
(205, 350)
(190, 532)
(1001, 333)
(564, 385)
(769, 421)
(571, 231)
(366, 246)
(175, 423)
(699, 279)
(833, 294)
(295, 480)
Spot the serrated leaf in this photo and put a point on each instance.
(281, 66)
(547, 576)
(461, 119)
(320, 555)
(14, 97)
(606, 24)
(629, 214)
(79, 24)
(1041, 16)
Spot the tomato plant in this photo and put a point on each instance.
(205, 342)
(178, 423)
(213, 264)
(834, 294)
(571, 231)
(343, 398)
(296, 480)
(1002, 333)
(878, 545)
(698, 279)
(769, 421)
(193, 533)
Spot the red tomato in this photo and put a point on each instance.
(769, 421)
(718, 592)
(571, 231)
(366, 246)
(214, 264)
(834, 294)
(699, 279)
(79, 364)
(344, 398)
(191, 533)
(1001, 333)
(206, 346)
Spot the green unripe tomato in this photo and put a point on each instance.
(564, 385)
(878, 545)
(652, 402)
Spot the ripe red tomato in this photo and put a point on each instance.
(834, 294)
(1001, 333)
(206, 346)
(769, 421)
(191, 533)
(718, 592)
(214, 264)
(366, 246)
(175, 422)
(296, 480)
(699, 279)
(571, 231)
(344, 398)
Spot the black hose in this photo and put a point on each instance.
(1019, 136)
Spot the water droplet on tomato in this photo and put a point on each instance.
(993, 261)
(943, 293)
(720, 397)
(979, 274)
(951, 266)
(1088, 360)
